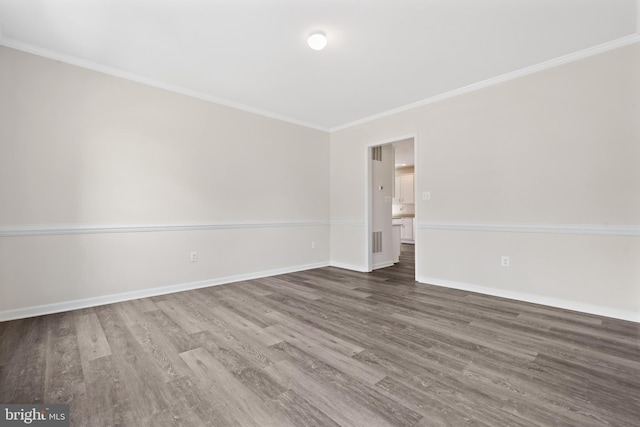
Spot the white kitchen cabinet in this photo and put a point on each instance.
(406, 229)
(404, 189)
(406, 232)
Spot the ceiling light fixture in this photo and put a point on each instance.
(317, 41)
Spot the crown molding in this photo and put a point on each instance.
(591, 51)
(68, 59)
(575, 56)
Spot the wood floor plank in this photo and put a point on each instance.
(237, 323)
(227, 340)
(91, 340)
(64, 379)
(349, 366)
(436, 411)
(332, 287)
(243, 305)
(141, 378)
(22, 377)
(335, 405)
(144, 304)
(107, 396)
(326, 347)
(358, 404)
(178, 338)
(301, 412)
(254, 287)
(245, 367)
(238, 401)
(375, 336)
(179, 315)
(10, 336)
(608, 393)
(323, 338)
(153, 341)
(202, 307)
(278, 285)
(201, 403)
(535, 400)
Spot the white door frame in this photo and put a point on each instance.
(368, 197)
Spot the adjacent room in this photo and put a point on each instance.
(320, 213)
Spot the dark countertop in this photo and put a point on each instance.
(402, 216)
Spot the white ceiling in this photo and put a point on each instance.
(404, 153)
(382, 54)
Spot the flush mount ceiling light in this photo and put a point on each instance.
(317, 41)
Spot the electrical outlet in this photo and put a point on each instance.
(426, 195)
(505, 261)
(313, 244)
(194, 256)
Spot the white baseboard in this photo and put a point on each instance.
(383, 265)
(40, 310)
(346, 266)
(58, 307)
(536, 299)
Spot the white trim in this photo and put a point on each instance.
(384, 264)
(50, 230)
(36, 50)
(392, 140)
(347, 266)
(368, 208)
(58, 307)
(536, 299)
(368, 179)
(417, 200)
(583, 229)
(575, 56)
(594, 50)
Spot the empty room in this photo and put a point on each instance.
(320, 213)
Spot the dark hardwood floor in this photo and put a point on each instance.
(326, 347)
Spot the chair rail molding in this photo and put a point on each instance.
(49, 230)
(584, 229)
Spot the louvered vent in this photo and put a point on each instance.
(376, 244)
(376, 153)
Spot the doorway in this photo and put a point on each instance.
(391, 202)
